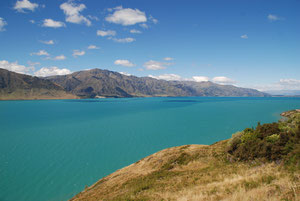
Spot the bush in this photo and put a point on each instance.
(275, 141)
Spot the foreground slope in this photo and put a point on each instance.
(14, 86)
(97, 82)
(267, 169)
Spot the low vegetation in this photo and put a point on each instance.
(255, 164)
(279, 142)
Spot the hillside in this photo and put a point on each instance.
(255, 164)
(97, 82)
(15, 86)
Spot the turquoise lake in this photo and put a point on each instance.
(51, 149)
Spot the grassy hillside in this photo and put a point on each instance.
(255, 164)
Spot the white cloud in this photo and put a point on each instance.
(245, 36)
(44, 72)
(93, 17)
(272, 17)
(72, 12)
(223, 80)
(126, 16)
(77, 53)
(155, 65)
(22, 5)
(167, 77)
(168, 58)
(92, 47)
(134, 31)
(15, 67)
(124, 73)
(49, 42)
(52, 23)
(3, 23)
(200, 79)
(155, 21)
(282, 84)
(40, 53)
(124, 63)
(33, 64)
(60, 57)
(144, 25)
(32, 21)
(123, 40)
(106, 33)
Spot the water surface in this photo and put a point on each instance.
(51, 149)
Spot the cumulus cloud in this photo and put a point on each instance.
(49, 42)
(167, 77)
(155, 21)
(200, 79)
(223, 80)
(126, 16)
(23, 5)
(92, 47)
(106, 33)
(124, 73)
(155, 65)
(272, 17)
(124, 63)
(168, 58)
(77, 53)
(3, 23)
(51, 71)
(60, 57)
(40, 53)
(52, 23)
(144, 25)
(15, 67)
(282, 84)
(123, 40)
(245, 36)
(72, 12)
(134, 31)
(33, 64)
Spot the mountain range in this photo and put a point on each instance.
(98, 83)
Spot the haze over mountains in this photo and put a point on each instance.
(103, 83)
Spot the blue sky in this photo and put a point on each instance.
(250, 43)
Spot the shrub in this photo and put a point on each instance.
(273, 138)
(270, 142)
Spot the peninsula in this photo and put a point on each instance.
(261, 163)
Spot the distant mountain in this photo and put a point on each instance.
(15, 86)
(284, 92)
(96, 82)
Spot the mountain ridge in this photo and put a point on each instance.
(16, 86)
(97, 82)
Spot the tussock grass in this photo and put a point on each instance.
(199, 172)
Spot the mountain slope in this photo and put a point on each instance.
(14, 86)
(268, 168)
(96, 82)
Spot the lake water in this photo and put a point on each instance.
(51, 149)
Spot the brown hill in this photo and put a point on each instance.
(97, 82)
(216, 172)
(15, 86)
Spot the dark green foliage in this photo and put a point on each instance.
(271, 142)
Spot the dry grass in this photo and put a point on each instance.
(196, 172)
